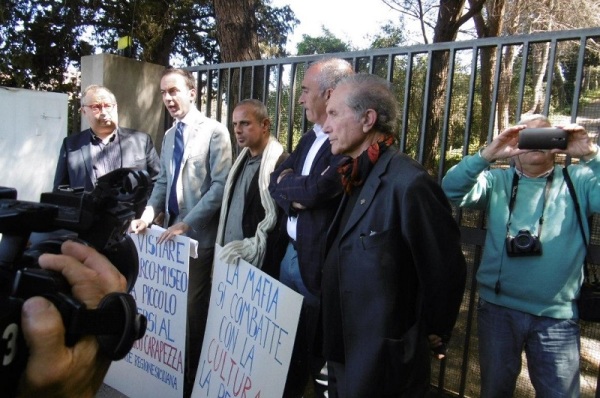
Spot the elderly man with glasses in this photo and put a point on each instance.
(104, 147)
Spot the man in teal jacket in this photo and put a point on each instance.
(528, 291)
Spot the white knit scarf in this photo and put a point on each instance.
(251, 249)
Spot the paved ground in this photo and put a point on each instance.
(108, 392)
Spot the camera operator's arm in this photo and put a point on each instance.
(53, 369)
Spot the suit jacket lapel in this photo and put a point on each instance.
(368, 191)
(127, 156)
(324, 147)
(193, 125)
(86, 153)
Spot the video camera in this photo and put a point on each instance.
(100, 219)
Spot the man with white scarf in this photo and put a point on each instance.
(248, 212)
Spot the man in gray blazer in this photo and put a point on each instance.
(104, 147)
(196, 194)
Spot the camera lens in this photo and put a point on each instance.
(523, 240)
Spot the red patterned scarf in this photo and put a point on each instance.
(355, 171)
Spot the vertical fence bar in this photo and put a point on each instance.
(522, 76)
(550, 76)
(406, 106)
(445, 123)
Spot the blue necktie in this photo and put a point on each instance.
(177, 156)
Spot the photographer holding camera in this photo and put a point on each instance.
(531, 270)
(54, 369)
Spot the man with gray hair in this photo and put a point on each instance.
(529, 277)
(105, 146)
(307, 188)
(394, 274)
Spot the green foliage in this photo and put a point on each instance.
(38, 42)
(274, 25)
(40, 39)
(182, 28)
(390, 35)
(326, 44)
(590, 97)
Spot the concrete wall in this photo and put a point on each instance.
(137, 88)
(34, 123)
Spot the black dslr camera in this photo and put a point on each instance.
(523, 244)
(100, 219)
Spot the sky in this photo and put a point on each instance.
(349, 20)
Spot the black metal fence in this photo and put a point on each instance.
(454, 97)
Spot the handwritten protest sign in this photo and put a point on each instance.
(154, 366)
(249, 336)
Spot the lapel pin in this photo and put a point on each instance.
(363, 201)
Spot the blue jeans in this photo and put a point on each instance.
(289, 275)
(305, 363)
(551, 346)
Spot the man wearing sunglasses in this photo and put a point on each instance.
(105, 146)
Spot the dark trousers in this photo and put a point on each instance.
(199, 282)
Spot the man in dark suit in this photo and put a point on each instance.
(307, 188)
(394, 274)
(104, 147)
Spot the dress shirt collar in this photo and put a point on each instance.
(191, 118)
(318, 129)
(545, 174)
(98, 140)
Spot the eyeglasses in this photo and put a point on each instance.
(97, 108)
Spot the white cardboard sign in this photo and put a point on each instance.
(250, 334)
(154, 366)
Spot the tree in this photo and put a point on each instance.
(450, 19)
(422, 11)
(325, 44)
(38, 44)
(390, 35)
(488, 23)
(40, 39)
(237, 30)
(451, 16)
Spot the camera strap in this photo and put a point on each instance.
(513, 197)
(115, 322)
(571, 188)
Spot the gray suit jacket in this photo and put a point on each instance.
(75, 166)
(204, 169)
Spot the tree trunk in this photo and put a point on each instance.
(539, 64)
(511, 24)
(506, 74)
(237, 29)
(450, 19)
(490, 28)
